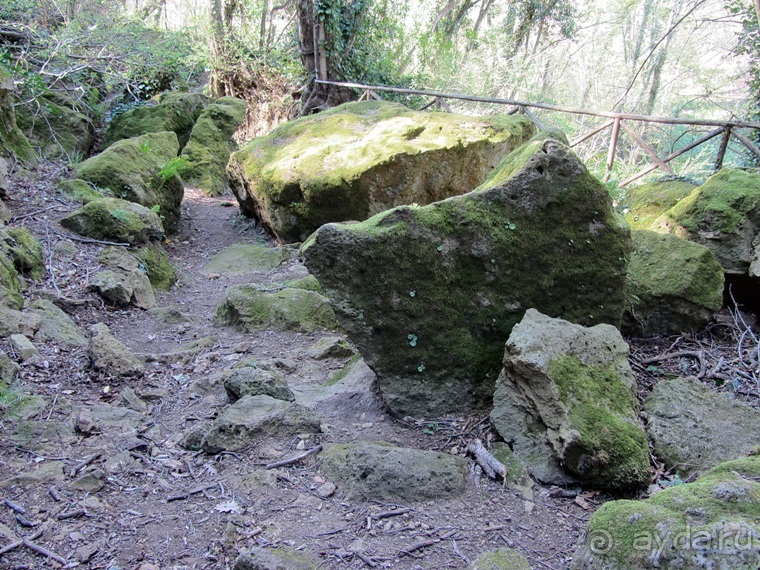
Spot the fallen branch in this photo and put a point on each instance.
(490, 465)
(71, 514)
(699, 355)
(84, 463)
(366, 559)
(186, 494)
(296, 459)
(418, 546)
(389, 514)
(36, 547)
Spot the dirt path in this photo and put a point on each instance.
(147, 503)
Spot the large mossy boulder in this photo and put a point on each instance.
(673, 285)
(59, 128)
(24, 250)
(430, 294)
(713, 522)
(142, 170)
(565, 403)
(693, 428)
(175, 112)
(115, 220)
(359, 159)
(644, 205)
(384, 472)
(210, 145)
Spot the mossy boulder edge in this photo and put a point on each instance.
(430, 294)
(710, 523)
(359, 159)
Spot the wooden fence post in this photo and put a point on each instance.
(613, 148)
(722, 149)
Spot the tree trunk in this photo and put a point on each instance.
(314, 47)
(218, 49)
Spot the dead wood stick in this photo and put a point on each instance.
(84, 463)
(15, 219)
(418, 546)
(71, 514)
(296, 459)
(14, 507)
(18, 543)
(699, 355)
(44, 551)
(366, 559)
(186, 494)
(389, 514)
(491, 466)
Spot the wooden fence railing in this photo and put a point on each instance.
(617, 122)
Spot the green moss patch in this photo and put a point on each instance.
(25, 251)
(156, 265)
(240, 258)
(80, 190)
(643, 205)
(111, 219)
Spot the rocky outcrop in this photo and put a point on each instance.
(710, 523)
(59, 129)
(57, 325)
(253, 418)
(115, 220)
(565, 403)
(210, 145)
(142, 170)
(176, 112)
(693, 428)
(430, 294)
(247, 308)
(359, 159)
(11, 138)
(384, 472)
(673, 285)
(25, 251)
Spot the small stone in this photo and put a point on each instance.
(91, 482)
(85, 553)
(84, 423)
(326, 490)
(330, 347)
(132, 401)
(111, 356)
(24, 347)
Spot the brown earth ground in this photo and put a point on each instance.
(163, 507)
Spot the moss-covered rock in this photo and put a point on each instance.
(25, 251)
(175, 112)
(644, 205)
(429, 294)
(673, 285)
(11, 137)
(713, 522)
(58, 127)
(242, 258)
(248, 309)
(385, 472)
(80, 190)
(157, 266)
(310, 283)
(359, 159)
(565, 402)
(276, 559)
(692, 428)
(253, 418)
(57, 325)
(142, 170)
(247, 379)
(116, 220)
(8, 372)
(500, 559)
(11, 284)
(724, 215)
(210, 145)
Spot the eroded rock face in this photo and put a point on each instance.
(673, 285)
(710, 523)
(176, 112)
(385, 472)
(565, 404)
(359, 159)
(430, 294)
(692, 428)
(140, 170)
(210, 145)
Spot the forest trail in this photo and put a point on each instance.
(109, 451)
